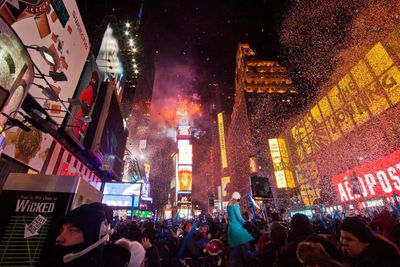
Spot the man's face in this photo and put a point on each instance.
(351, 244)
(69, 235)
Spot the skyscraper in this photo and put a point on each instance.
(264, 97)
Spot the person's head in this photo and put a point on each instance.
(278, 233)
(355, 236)
(236, 196)
(69, 235)
(94, 80)
(300, 226)
(83, 227)
(312, 254)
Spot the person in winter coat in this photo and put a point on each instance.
(83, 240)
(278, 237)
(386, 223)
(364, 248)
(240, 252)
(300, 229)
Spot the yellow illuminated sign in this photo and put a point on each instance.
(308, 181)
(280, 160)
(371, 87)
(224, 181)
(184, 178)
(224, 161)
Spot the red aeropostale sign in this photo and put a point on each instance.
(376, 178)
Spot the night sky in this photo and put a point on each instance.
(201, 36)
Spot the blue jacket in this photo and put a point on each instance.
(237, 235)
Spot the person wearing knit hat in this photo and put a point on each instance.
(89, 218)
(83, 239)
(364, 248)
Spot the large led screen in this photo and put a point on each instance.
(378, 178)
(16, 69)
(84, 101)
(184, 178)
(126, 189)
(114, 135)
(221, 131)
(109, 60)
(185, 152)
(120, 201)
(30, 148)
(58, 45)
(368, 89)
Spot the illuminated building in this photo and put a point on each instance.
(264, 98)
(345, 146)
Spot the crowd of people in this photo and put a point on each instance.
(90, 236)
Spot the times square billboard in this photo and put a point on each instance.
(366, 91)
(57, 42)
(375, 179)
(352, 131)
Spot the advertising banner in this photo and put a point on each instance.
(185, 152)
(16, 69)
(58, 44)
(224, 182)
(280, 160)
(31, 148)
(113, 138)
(183, 132)
(221, 131)
(125, 189)
(29, 216)
(368, 89)
(308, 182)
(184, 178)
(374, 179)
(84, 101)
(121, 201)
(109, 60)
(184, 198)
(26, 220)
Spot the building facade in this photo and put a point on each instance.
(264, 96)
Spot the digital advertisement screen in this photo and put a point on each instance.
(126, 189)
(185, 152)
(58, 44)
(109, 60)
(114, 135)
(16, 70)
(84, 101)
(183, 132)
(368, 89)
(184, 178)
(184, 198)
(376, 178)
(120, 201)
